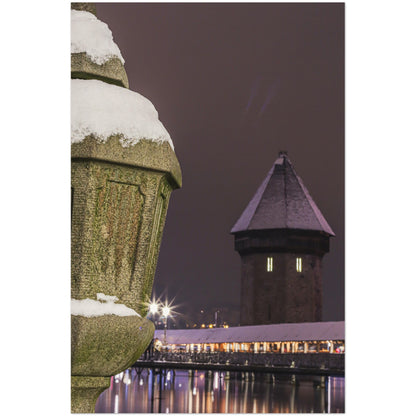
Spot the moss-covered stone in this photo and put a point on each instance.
(112, 71)
(86, 7)
(119, 203)
(85, 392)
(145, 154)
(119, 200)
(107, 345)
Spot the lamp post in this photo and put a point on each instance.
(165, 314)
(152, 311)
(164, 311)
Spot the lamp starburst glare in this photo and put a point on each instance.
(166, 311)
(153, 307)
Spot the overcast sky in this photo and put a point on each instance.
(234, 84)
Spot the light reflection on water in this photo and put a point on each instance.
(199, 391)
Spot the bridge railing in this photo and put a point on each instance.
(307, 360)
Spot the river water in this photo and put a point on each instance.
(181, 391)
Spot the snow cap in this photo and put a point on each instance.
(105, 110)
(92, 36)
(104, 305)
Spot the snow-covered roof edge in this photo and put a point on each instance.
(318, 214)
(248, 217)
(306, 331)
(243, 221)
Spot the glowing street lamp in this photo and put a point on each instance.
(157, 310)
(153, 308)
(165, 314)
(165, 311)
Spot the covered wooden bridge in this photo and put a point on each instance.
(308, 337)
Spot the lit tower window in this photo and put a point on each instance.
(298, 264)
(269, 264)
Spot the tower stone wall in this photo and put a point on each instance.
(282, 295)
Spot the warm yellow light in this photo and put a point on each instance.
(269, 264)
(299, 264)
(210, 325)
(203, 326)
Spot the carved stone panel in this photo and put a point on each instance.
(117, 220)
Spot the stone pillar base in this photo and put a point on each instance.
(85, 392)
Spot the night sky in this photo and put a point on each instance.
(234, 84)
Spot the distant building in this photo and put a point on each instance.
(281, 237)
(204, 316)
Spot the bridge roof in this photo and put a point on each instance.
(307, 331)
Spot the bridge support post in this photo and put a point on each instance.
(293, 379)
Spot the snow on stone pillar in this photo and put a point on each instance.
(123, 171)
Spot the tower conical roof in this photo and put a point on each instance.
(282, 202)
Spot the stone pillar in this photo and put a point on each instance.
(85, 392)
(119, 201)
(87, 7)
